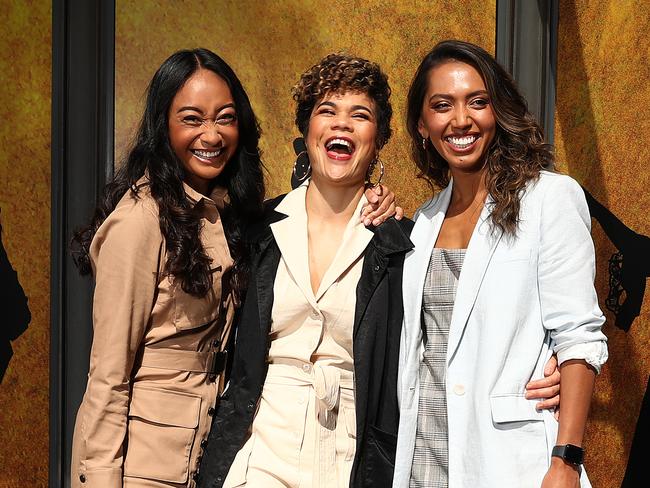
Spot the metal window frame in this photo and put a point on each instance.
(83, 45)
(526, 45)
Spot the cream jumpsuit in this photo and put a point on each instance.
(304, 431)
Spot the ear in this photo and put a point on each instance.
(422, 129)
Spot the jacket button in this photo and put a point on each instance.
(82, 478)
(376, 268)
(211, 411)
(459, 390)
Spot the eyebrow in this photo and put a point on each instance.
(469, 95)
(196, 109)
(353, 108)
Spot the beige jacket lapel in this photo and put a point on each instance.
(291, 236)
(355, 240)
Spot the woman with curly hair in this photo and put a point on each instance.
(500, 278)
(312, 398)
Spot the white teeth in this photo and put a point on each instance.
(341, 142)
(462, 141)
(207, 154)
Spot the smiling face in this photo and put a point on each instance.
(457, 116)
(341, 138)
(203, 128)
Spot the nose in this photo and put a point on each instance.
(341, 121)
(211, 135)
(461, 119)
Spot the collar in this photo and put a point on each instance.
(210, 205)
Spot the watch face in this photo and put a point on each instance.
(570, 453)
(573, 454)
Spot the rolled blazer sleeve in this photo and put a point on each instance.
(126, 253)
(566, 272)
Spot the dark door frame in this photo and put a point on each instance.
(83, 44)
(526, 45)
(83, 73)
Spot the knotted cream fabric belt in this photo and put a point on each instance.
(327, 381)
(182, 360)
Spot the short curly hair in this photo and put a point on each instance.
(340, 73)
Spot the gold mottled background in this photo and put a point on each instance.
(269, 44)
(601, 123)
(25, 67)
(602, 68)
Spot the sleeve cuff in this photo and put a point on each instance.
(100, 478)
(594, 353)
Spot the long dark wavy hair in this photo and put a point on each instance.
(151, 154)
(517, 153)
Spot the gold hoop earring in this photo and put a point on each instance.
(371, 170)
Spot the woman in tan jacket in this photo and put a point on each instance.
(165, 248)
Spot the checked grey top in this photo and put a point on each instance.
(430, 457)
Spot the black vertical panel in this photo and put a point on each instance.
(526, 45)
(83, 33)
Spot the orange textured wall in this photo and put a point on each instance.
(25, 65)
(601, 121)
(269, 44)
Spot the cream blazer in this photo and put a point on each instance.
(518, 300)
(149, 398)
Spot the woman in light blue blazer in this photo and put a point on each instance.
(501, 277)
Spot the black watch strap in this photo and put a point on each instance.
(570, 453)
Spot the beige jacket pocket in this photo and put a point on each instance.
(190, 312)
(161, 430)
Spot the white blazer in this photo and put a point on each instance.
(518, 300)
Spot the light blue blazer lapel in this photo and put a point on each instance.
(479, 253)
(424, 234)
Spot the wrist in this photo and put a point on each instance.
(569, 453)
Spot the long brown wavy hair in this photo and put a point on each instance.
(517, 153)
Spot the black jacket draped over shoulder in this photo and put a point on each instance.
(376, 338)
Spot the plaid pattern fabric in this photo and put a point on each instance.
(430, 458)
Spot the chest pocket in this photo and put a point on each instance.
(190, 312)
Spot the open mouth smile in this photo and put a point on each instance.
(207, 156)
(339, 148)
(462, 143)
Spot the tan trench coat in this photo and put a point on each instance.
(150, 395)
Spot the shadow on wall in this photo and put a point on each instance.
(629, 268)
(13, 304)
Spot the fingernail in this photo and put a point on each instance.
(366, 222)
(376, 222)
